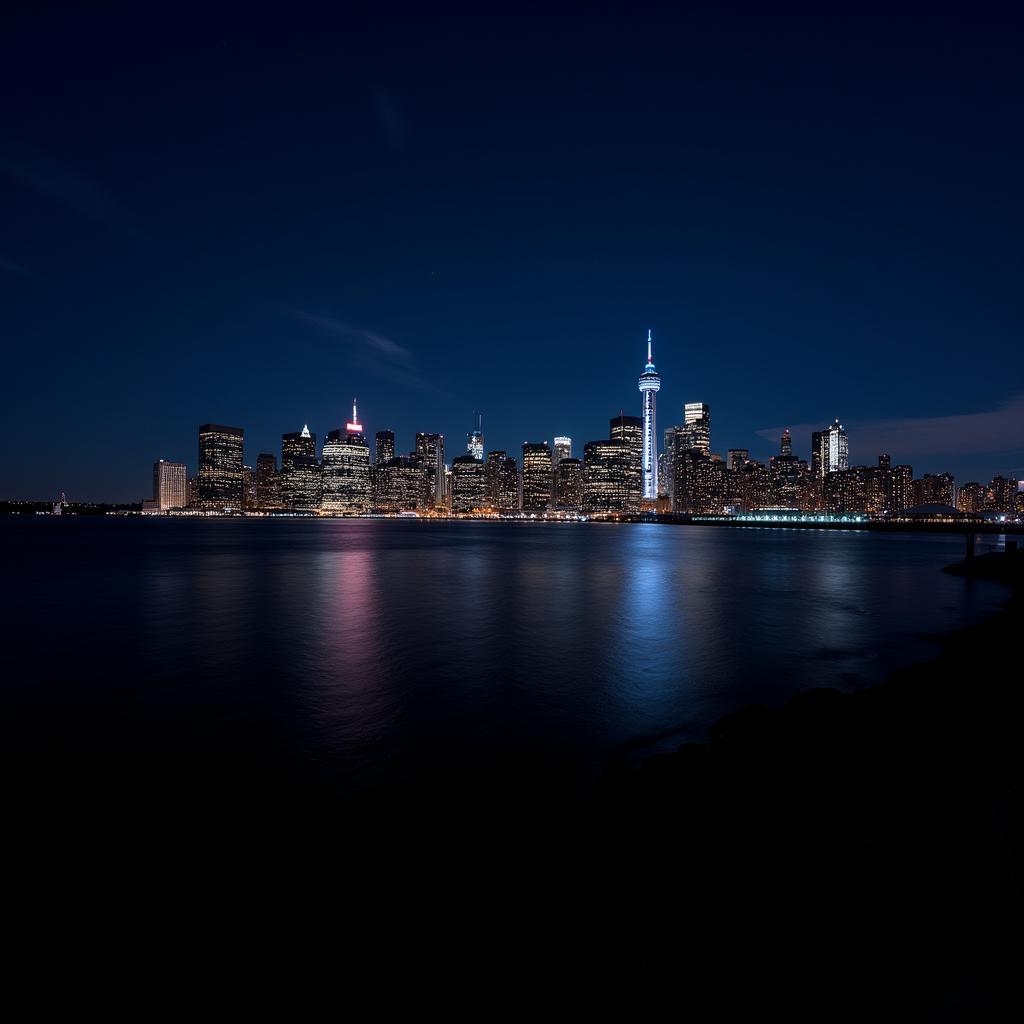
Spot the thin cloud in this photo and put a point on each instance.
(372, 340)
(62, 184)
(369, 351)
(998, 431)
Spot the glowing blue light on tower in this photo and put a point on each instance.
(650, 384)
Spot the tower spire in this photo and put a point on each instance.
(355, 427)
(649, 360)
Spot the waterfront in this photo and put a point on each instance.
(351, 653)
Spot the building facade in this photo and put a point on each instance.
(469, 485)
(537, 477)
(170, 485)
(219, 478)
(501, 474)
(268, 492)
(346, 470)
(430, 447)
(300, 479)
(607, 470)
(569, 485)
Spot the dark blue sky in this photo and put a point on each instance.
(248, 218)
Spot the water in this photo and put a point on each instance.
(356, 652)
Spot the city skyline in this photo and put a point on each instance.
(799, 232)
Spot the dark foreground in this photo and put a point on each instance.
(847, 856)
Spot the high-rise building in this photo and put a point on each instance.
(830, 450)
(697, 428)
(569, 485)
(400, 485)
(561, 449)
(248, 489)
(430, 447)
(501, 474)
(971, 497)
(475, 438)
(537, 478)
(786, 445)
(268, 493)
(385, 446)
(737, 457)
(346, 469)
(469, 485)
(170, 485)
(219, 483)
(300, 478)
(630, 431)
(673, 443)
(935, 489)
(608, 467)
(650, 384)
(1002, 495)
(702, 484)
(901, 488)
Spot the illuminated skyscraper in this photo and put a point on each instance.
(219, 483)
(650, 384)
(268, 494)
(562, 449)
(385, 446)
(569, 485)
(502, 478)
(469, 484)
(607, 468)
(248, 489)
(300, 472)
(430, 447)
(170, 485)
(629, 431)
(830, 450)
(346, 469)
(737, 457)
(697, 428)
(475, 438)
(537, 479)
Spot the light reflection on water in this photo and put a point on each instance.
(350, 646)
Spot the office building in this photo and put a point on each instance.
(248, 489)
(697, 428)
(268, 493)
(702, 484)
(537, 477)
(400, 485)
(737, 457)
(346, 470)
(430, 447)
(630, 431)
(501, 474)
(569, 485)
(562, 449)
(650, 384)
(830, 450)
(219, 479)
(608, 467)
(475, 438)
(384, 447)
(469, 485)
(170, 485)
(300, 479)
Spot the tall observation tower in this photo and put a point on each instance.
(650, 382)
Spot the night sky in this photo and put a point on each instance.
(250, 218)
